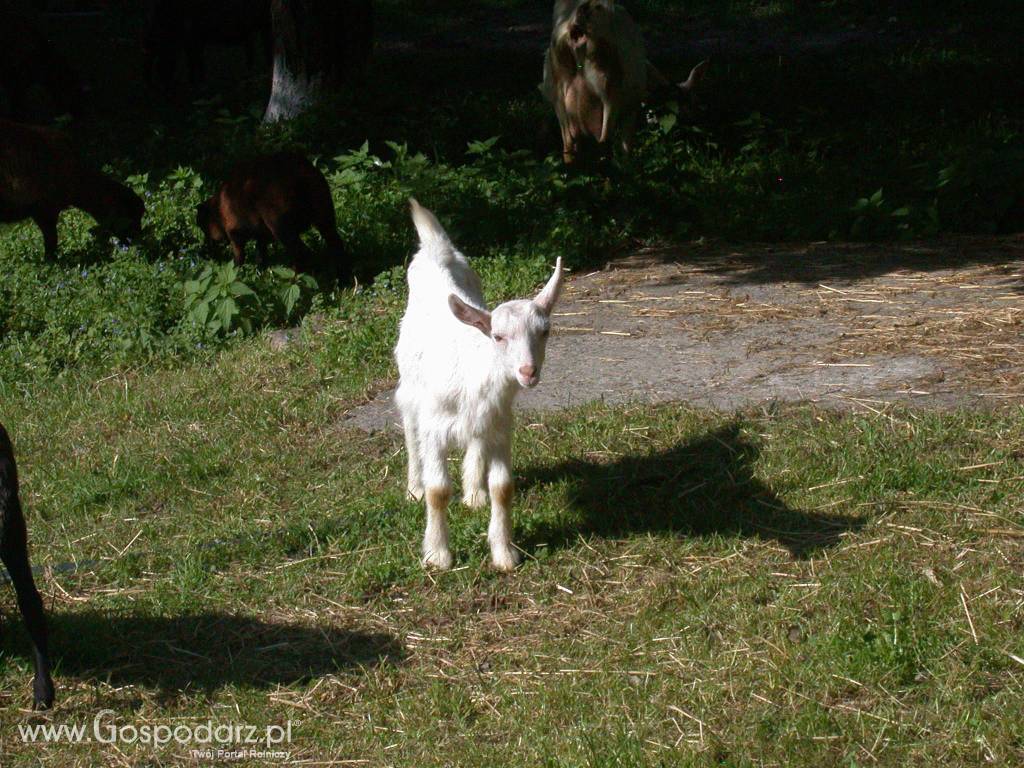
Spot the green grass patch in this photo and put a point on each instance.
(800, 587)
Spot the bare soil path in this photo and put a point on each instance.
(844, 326)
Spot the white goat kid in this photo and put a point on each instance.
(460, 368)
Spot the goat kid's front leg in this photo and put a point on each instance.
(504, 555)
(438, 492)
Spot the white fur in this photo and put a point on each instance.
(457, 385)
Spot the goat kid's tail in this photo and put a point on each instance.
(432, 234)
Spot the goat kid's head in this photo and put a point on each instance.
(517, 329)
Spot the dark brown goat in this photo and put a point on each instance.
(276, 197)
(14, 553)
(41, 175)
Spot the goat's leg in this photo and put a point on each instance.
(412, 450)
(474, 480)
(607, 124)
(262, 243)
(628, 132)
(438, 492)
(238, 241)
(46, 220)
(336, 260)
(570, 144)
(14, 554)
(298, 252)
(504, 555)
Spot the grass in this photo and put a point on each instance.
(776, 587)
(790, 587)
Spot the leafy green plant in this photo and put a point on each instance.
(216, 301)
(290, 287)
(352, 168)
(874, 218)
(982, 190)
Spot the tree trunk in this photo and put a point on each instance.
(318, 45)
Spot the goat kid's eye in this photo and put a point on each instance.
(498, 338)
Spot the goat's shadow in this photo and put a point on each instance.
(202, 651)
(703, 487)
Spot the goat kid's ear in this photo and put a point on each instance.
(477, 318)
(546, 299)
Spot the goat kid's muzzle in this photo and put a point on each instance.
(528, 376)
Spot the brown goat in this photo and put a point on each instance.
(596, 75)
(41, 175)
(276, 197)
(14, 553)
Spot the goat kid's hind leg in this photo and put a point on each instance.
(438, 492)
(474, 471)
(504, 555)
(414, 486)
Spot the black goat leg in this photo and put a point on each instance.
(14, 553)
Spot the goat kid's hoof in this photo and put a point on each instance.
(505, 559)
(475, 498)
(440, 559)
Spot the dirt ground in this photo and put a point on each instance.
(844, 326)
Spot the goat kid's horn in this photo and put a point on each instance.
(546, 299)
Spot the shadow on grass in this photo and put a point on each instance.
(205, 651)
(704, 487)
